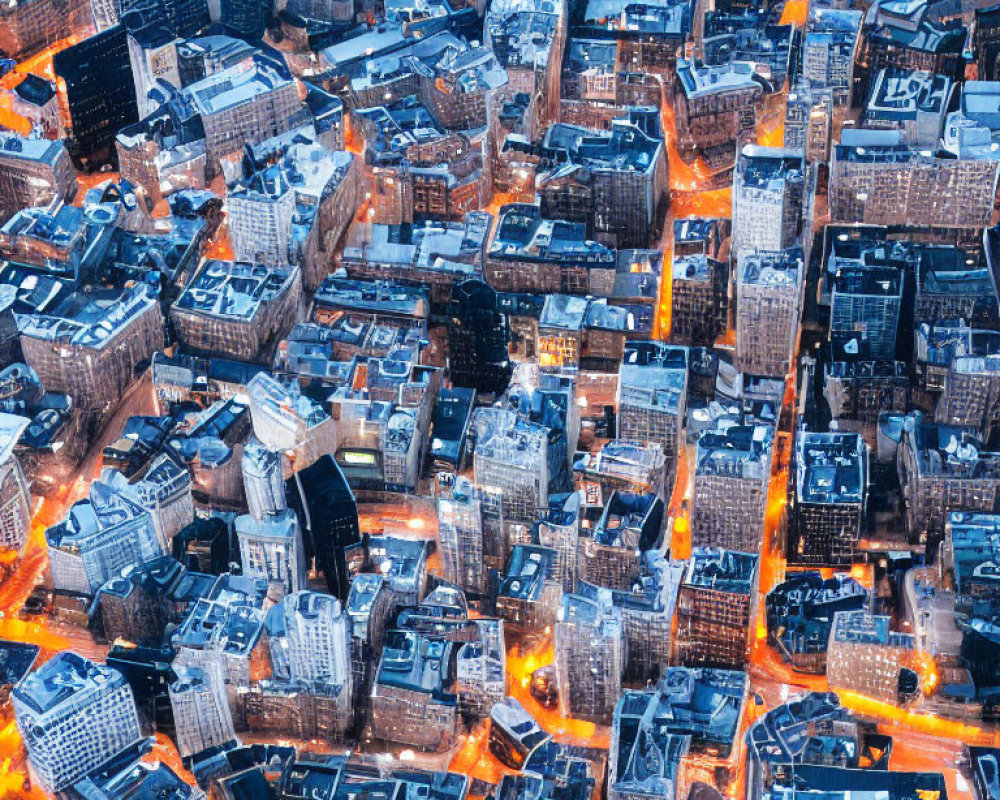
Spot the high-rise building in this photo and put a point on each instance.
(866, 303)
(768, 308)
(99, 89)
(478, 334)
(271, 549)
(263, 480)
(731, 474)
(652, 395)
(73, 715)
(326, 506)
(698, 300)
(33, 25)
(461, 536)
(590, 656)
(768, 195)
(201, 711)
(828, 506)
(308, 635)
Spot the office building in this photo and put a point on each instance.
(462, 534)
(590, 656)
(99, 90)
(90, 351)
(620, 465)
(243, 104)
(31, 26)
(699, 300)
(610, 552)
(769, 192)
(478, 333)
(33, 172)
(715, 608)
(731, 476)
(866, 303)
(73, 715)
(323, 500)
(769, 289)
(201, 712)
(271, 549)
(827, 509)
(716, 108)
(413, 699)
(529, 594)
(15, 495)
(652, 396)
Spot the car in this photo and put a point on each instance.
(38, 603)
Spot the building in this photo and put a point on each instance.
(716, 108)
(590, 656)
(769, 289)
(866, 304)
(309, 640)
(615, 182)
(691, 719)
(530, 252)
(942, 469)
(799, 614)
(829, 504)
(73, 715)
(131, 779)
(530, 592)
(477, 339)
(512, 456)
(769, 192)
(876, 179)
(243, 104)
(866, 657)
(609, 553)
(271, 549)
(15, 495)
(224, 630)
(201, 712)
(913, 102)
(237, 310)
(263, 480)
(296, 210)
(463, 526)
(986, 43)
(620, 465)
(321, 496)
(28, 27)
(652, 396)
(715, 608)
(89, 345)
(699, 303)
(413, 700)
(731, 476)
(33, 172)
(828, 50)
(99, 537)
(99, 89)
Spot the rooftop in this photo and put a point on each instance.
(722, 570)
(61, 678)
(234, 289)
(523, 234)
(741, 451)
(831, 467)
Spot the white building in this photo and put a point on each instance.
(98, 538)
(201, 711)
(263, 480)
(73, 715)
(768, 193)
(308, 638)
(271, 549)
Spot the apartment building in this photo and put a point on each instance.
(769, 292)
